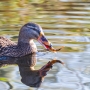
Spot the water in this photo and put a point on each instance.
(65, 23)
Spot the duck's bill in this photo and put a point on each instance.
(42, 39)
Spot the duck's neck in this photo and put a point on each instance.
(27, 46)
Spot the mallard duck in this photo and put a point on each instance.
(12, 53)
(25, 44)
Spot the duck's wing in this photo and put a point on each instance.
(4, 42)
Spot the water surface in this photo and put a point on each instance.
(65, 23)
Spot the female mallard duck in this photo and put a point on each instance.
(25, 43)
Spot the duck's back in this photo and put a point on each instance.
(4, 43)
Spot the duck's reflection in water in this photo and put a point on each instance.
(29, 75)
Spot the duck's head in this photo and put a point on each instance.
(33, 31)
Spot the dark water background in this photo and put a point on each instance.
(65, 23)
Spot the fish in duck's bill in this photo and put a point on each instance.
(42, 39)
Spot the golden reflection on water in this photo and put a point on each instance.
(65, 23)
